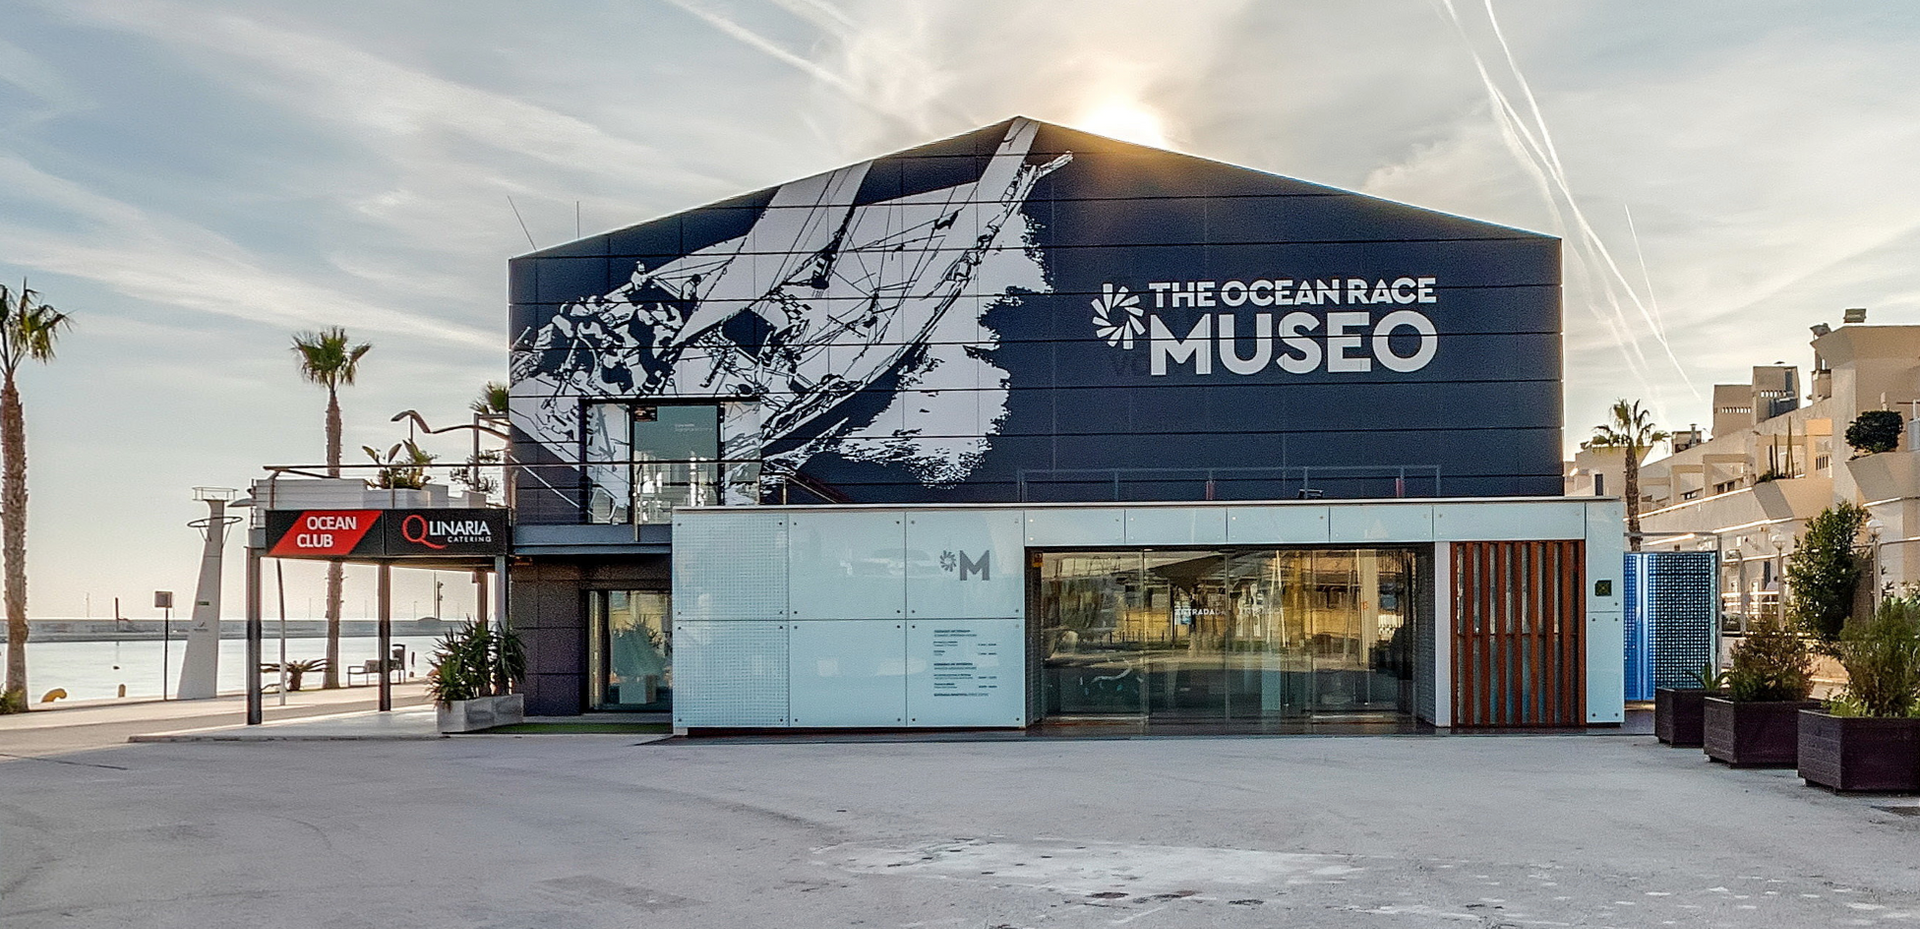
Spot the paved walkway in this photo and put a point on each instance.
(102, 724)
(413, 722)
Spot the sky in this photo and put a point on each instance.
(194, 182)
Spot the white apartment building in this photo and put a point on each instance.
(1772, 462)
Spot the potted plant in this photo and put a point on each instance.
(1868, 737)
(476, 673)
(1757, 722)
(1679, 712)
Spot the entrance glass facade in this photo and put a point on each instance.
(1236, 638)
(630, 650)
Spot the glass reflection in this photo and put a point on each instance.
(632, 650)
(1214, 635)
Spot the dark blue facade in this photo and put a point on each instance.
(1027, 312)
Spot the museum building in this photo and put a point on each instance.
(1030, 427)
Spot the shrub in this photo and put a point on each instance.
(1824, 571)
(297, 670)
(476, 661)
(403, 468)
(1875, 431)
(1882, 658)
(1772, 663)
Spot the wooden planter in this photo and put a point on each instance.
(1754, 734)
(1859, 753)
(1678, 715)
(481, 713)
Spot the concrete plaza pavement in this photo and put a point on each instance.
(589, 831)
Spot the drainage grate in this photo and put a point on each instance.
(1900, 810)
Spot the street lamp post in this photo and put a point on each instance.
(1740, 580)
(1779, 576)
(1874, 526)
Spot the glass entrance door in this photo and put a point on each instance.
(631, 650)
(1219, 636)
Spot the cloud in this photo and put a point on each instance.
(338, 82)
(295, 165)
(30, 73)
(177, 263)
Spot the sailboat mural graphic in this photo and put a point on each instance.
(819, 301)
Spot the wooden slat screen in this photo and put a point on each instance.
(1519, 634)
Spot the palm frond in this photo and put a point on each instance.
(29, 327)
(1630, 427)
(492, 400)
(328, 358)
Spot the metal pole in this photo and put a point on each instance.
(386, 635)
(1779, 583)
(1875, 601)
(255, 709)
(280, 577)
(500, 592)
(480, 595)
(166, 648)
(1719, 602)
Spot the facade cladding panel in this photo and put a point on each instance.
(1031, 313)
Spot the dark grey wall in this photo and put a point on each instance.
(547, 606)
(1020, 386)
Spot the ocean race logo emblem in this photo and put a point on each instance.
(1393, 337)
(1116, 316)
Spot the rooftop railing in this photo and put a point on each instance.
(645, 491)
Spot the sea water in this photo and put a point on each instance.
(95, 670)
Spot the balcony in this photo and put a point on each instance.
(1794, 498)
(1885, 476)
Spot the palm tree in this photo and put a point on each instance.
(1630, 429)
(492, 400)
(28, 329)
(327, 358)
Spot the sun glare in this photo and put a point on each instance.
(1126, 122)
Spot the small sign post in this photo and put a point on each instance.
(163, 601)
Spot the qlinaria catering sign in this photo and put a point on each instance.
(381, 534)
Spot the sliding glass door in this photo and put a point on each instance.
(1218, 635)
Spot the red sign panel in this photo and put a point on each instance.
(324, 533)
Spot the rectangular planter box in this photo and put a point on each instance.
(1854, 753)
(1756, 734)
(1678, 715)
(482, 713)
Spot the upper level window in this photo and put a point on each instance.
(644, 459)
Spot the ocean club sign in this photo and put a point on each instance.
(387, 534)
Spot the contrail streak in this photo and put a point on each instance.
(1532, 144)
(773, 50)
(1527, 151)
(825, 15)
(764, 45)
(1592, 240)
(1645, 276)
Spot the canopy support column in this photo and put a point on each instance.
(256, 705)
(480, 614)
(386, 636)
